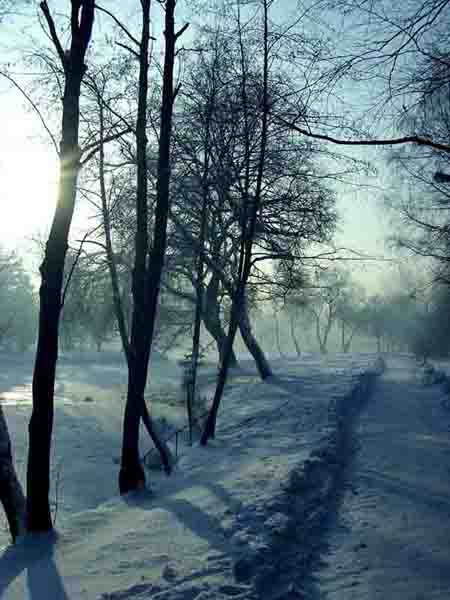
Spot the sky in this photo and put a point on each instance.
(28, 183)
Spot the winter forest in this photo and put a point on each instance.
(205, 206)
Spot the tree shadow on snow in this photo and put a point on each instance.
(35, 553)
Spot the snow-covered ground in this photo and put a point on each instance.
(391, 537)
(178, 540)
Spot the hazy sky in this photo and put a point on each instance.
(28, 174)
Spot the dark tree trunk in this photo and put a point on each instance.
(11, 494)
(210, 426)
(211, 319)
(52, 268)
(132, 474)
(147, 278)
(117, 298)
(251, 342)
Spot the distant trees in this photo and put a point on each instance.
(88, 310)
(431, 334)
(9, 7)
(18, 304)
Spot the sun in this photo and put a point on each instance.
(28, 188)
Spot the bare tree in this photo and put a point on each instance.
(52, 268)
(250, 210)
(149, 262)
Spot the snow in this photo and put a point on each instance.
(391, 536)
(179, 539)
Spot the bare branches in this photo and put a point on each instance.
(34, 106)
(94, 147)
(128, 49)
(181, 31)
(120, 25)
(52, 29)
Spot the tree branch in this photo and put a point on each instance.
(52, 29)
(130, 50)
(411, 139)
(120, 25)
(94, 147)
(34, 107)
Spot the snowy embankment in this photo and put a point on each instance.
(225, 523)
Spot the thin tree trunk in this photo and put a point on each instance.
(11, 493)
(348, 342)
(322, 346)
(199, 287)
(147, 279)
(293, 336)
(112, 266)
(52, 268)
(251, 342)
(277, 334)
(329, 324)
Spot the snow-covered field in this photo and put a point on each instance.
(179, 539)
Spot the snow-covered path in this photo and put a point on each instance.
(392, 535)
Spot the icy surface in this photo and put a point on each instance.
(177, 540)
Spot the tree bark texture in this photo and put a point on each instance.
(52, 268)
(11, 493)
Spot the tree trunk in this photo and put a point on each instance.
(293, 336)
(328, 326)
(251, 342)
(164, 451)
(348, 342)
(147, 277)
(11, 493)
(52, 269)
(210, 426)
(211, 319)
(199, 284)
(277, 334)
(112, 266)
(132, 476)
